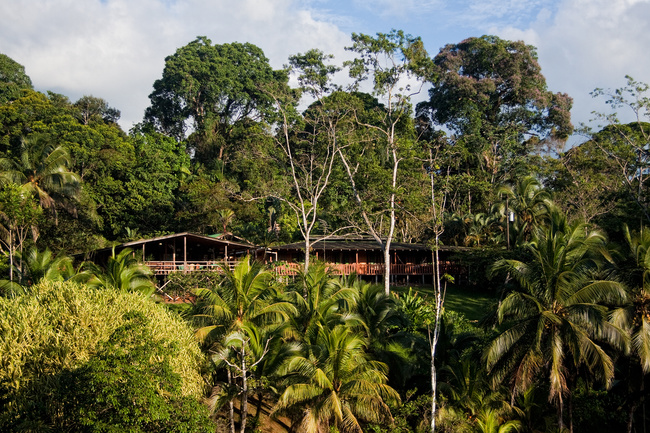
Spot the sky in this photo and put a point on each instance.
(115, 49)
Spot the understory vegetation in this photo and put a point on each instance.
(550, 332)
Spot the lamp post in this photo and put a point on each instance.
(510, 218)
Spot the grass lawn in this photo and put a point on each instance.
(472, 303)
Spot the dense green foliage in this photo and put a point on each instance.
(67, 350)
(225, 148)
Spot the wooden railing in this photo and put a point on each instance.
(373, 268)
(289, 269)
(167, 267)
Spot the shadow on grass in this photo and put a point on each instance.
(470, 302)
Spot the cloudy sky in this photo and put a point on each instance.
(115, 49)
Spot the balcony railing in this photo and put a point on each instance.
(167, 267)
(290, 269)
(373, 268)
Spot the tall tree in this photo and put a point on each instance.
(390, 60)
(42, 170)
(557, 322)
(338, 385)
(492, 95)
(215, 90)
(625, 144)
(310, 143)
(12, 79)
(92, 108)
(586, 185)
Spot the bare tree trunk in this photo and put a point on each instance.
(437, 210)
(391, 227)
(11, 256)
(433, 340)
(231, 406)
(307, 248)
(630, 416)
(244, 393)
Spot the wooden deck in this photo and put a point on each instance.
(373, 268)
(167, 267)
(161, 268)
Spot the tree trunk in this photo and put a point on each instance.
(433, 341)
(307, 248)
(387, 267)
(244, 393)
(570, 397)
(231, 406)
(11, 256)
(560, 413)
(630, 416)
(258, 407)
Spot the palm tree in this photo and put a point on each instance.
(337, 384)
(634, 316)
(555, 323)
(233, 319)
(39, 266)
(245, 295)
(530, 203)
(41, 170)
(123, 272)
(225, 218)
(385, 326)
(250, 355)
(321, 301)
(492, 421)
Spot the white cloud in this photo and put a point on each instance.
(588, 44)
(115, 49)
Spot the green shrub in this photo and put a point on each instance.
(60, 333)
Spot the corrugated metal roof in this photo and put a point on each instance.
(359, 244)
(191, 236)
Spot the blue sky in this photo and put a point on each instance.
(115, 49)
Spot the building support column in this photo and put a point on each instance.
(184, 254)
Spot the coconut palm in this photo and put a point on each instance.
(41, 169)
(634, 317)
(239, 319)
(385, 326)
(337, 384)
(246, 294)
(43, 265)
(530, 203)
(123, 272)
(555, 324)
(321, 300)
(251, 356)
(492, 421)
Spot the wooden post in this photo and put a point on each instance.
(356, 262)
(184, 254)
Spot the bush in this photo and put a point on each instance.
(64, 345)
